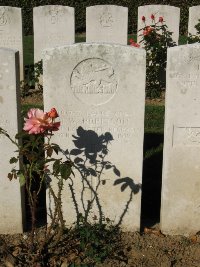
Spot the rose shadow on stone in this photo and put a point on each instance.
(90, 161)
(152, 180)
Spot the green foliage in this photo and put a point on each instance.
(195, 38)
(96, 242)
(156, 38)
(32, 76)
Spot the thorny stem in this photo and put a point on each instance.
(57, 216)
(4, 132)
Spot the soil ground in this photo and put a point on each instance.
(149, 249)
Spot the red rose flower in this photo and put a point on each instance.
(152, 16)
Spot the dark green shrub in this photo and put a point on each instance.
(195, 38)
(80, 8)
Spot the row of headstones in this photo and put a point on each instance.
(54, 25)
(97, 89)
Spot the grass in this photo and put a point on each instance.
(28, 45)
(154, 119)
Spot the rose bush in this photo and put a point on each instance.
(34, 154)
(155, 38)
(38, 166)
(195, 38)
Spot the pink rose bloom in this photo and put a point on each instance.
(38, 122)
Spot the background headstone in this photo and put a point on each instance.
(107, 23)
(194, 16)
(170, 14)
(53, 26)
(180, 209)
(11, 33)
(96, 88)
(10, 194)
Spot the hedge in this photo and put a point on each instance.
(80, 8)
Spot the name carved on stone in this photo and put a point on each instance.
(93, 81)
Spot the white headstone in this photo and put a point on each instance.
(53, 26)
(194, 16)
(181, 160)
(98, 90)
(11, 34)
(170, 14)
(107, 23)
(10, 193)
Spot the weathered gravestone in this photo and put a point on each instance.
(194, 16)
(11, 35)
(181, 160)
(10, 194)
(170, 14)
(53, 26)
(99, 94)
(107, 23)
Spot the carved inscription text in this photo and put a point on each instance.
(186, 136)
(117, 123)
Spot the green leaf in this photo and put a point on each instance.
(56, 148)
(56, 167)
(65, 170)
(22, 179)
(49, 151)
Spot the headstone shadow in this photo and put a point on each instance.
(152, 180)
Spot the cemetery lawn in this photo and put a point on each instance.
(28, 45)
(149, 248)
